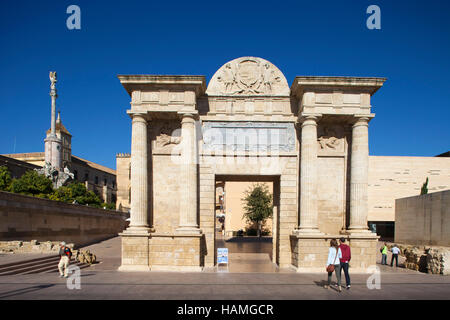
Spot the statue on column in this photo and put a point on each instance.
(51, 168)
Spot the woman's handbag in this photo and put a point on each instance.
(330, 268)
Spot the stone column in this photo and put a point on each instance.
(308, 176)
(188, 178)
(359, 175)
(53, 144)
(139, 175)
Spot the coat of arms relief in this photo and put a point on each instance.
(249, 76)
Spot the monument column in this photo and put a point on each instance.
(308, 175)
(359, 175)
(139, 174)
(188, 203)
(52, 142)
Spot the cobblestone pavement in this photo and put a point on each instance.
(103, 281)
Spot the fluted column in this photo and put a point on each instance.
(308, 176)
(359, 175)
(188, 178)
(139, 174)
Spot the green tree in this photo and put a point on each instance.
(32, 183)
(5, 178)
(424, 189)
(258, 205)
(77, 192)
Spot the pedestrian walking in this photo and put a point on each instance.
(333, 263)
(65, 254)
(384, 251)
(346, 256)
(395, 251)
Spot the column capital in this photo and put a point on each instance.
(138, 115)
(362, 120)
(188, 116)
(308, 119)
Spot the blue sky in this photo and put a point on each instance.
(326, 38)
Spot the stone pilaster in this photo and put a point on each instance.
(188, 204)
(359, 175)
(308, 222)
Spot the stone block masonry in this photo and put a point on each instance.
(423, 220)
(25, 218)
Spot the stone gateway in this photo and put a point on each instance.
(310, 140)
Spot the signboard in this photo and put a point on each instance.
(222, 256)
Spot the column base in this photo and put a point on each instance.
(135, 249)
(188, 230)
(137, 231)
(310, 251)
(357, 232)
(308, 231)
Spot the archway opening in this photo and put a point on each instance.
(252, 246)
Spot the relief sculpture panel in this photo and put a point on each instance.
(165, 135)
(331, 140)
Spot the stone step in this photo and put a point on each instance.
(30, 261)
(24, 268)
(53, 268)
(44, 265)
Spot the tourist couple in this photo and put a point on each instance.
(339, 256)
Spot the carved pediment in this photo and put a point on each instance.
(248, 76)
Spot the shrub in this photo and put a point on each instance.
(5, 178)
(32, 183)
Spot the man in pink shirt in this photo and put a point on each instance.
(346, 256)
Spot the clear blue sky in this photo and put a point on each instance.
(327, 38)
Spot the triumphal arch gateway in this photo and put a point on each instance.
(309, 139)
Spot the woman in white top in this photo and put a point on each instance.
(334, 255)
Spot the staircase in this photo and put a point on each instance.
(39, 265)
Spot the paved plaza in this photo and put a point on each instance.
(244, 280)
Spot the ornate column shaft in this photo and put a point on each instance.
(359, 175)
(188, 203)
(139, 174)
(308, 176)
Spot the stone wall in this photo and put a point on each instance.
(310, 253)
(392, 178)
(423, 220)
(25, 218)
(166, 194)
